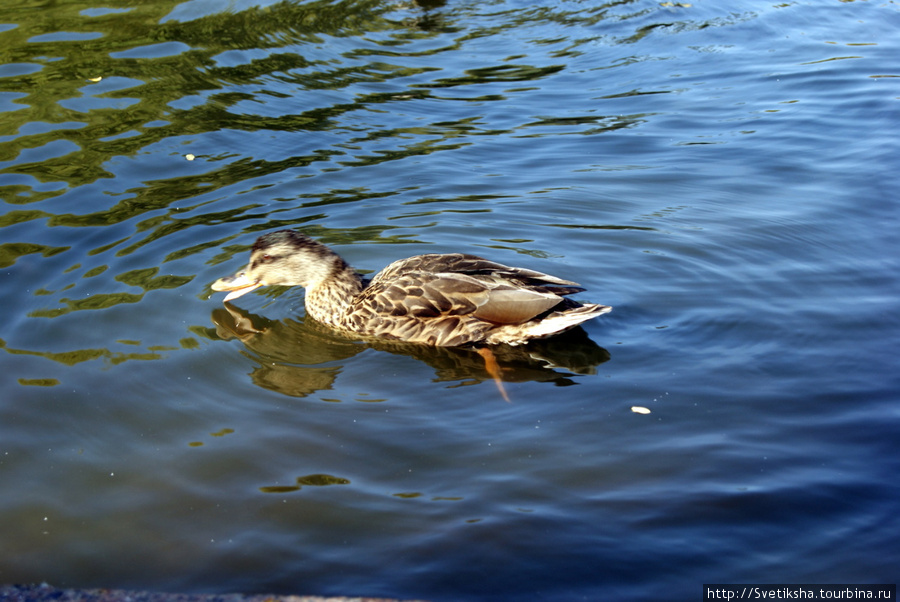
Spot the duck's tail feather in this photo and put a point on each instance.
(550, 324)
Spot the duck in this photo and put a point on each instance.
(439, 299)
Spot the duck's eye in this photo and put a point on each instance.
(261, 260)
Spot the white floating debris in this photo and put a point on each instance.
(94, 79)
(640, 410)
(189, 157)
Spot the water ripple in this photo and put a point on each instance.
(720, 174)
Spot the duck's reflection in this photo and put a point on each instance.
(297, 357)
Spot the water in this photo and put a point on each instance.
(723, 174)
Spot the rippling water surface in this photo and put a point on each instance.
(722, 173)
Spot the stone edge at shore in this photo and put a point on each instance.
(45, 593)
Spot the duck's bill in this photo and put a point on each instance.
(238, 285)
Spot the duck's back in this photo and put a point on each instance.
(455, 299)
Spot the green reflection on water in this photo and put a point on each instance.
(18, 217)
(146, 279)
(70, 358)
(85, 85)
(10, 252)
(94, 302)
(38, 382)
(312, 480)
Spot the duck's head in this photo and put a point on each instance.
(285, 258)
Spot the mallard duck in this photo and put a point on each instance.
(436, 299)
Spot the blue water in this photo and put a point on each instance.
(722, 173)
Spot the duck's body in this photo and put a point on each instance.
(438, 299)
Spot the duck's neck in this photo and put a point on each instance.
(328, 300)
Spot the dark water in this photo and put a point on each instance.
(722, 173)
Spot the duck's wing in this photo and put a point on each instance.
(451, 300)
(424, 295)
(472, 265)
